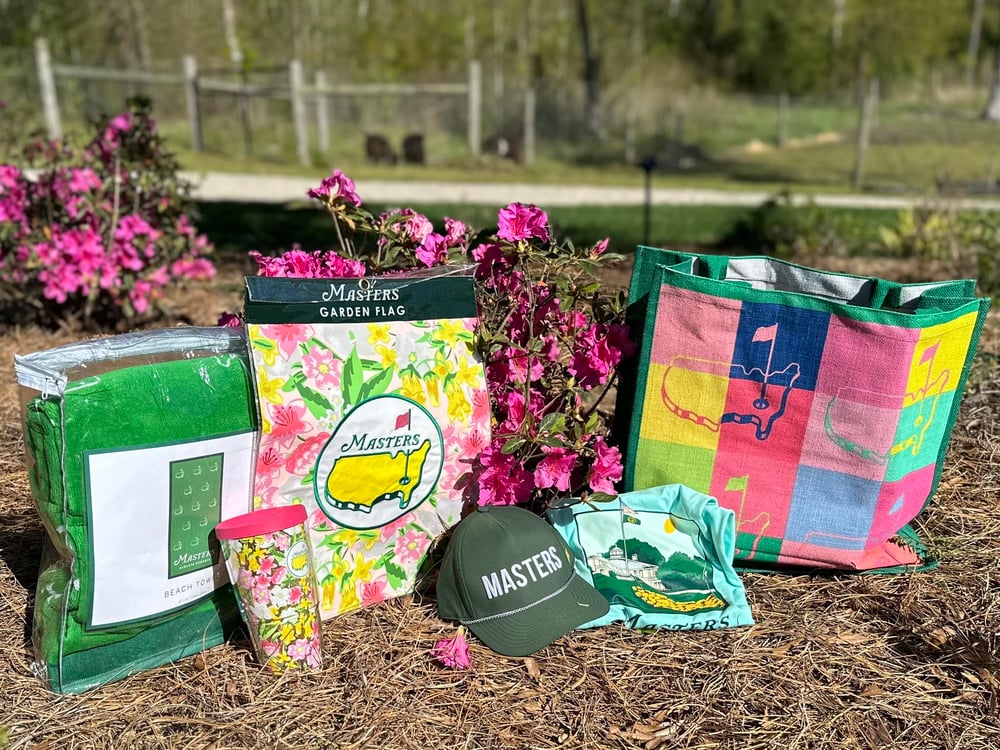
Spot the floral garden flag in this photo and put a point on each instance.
(371, 401)
(817, 406)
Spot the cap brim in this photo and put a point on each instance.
(534, 628)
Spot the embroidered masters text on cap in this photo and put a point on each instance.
(508, 576)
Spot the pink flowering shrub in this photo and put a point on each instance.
(96, 235)
(549, 337)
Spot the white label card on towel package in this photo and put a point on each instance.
(159, 554)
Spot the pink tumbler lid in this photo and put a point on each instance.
(263, 521)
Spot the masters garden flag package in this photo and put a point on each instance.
(137, 446)
(817, 406)
(371, 399)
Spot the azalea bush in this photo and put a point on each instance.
(94, 235)
(549, 336)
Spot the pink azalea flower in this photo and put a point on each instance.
(279, 574)
(269, 462)
(453, 652)
(84, 180)
(481, 410)
(499, 479)
(555, 469)
(607, 468)
(265, 493)
(433, 250)
(198, 269)
(520, 222)
(228, 320)
(266, 565)
(417, 226)
(473, 442)
(122, 122)
(455, 232)
(599, 249)
(299, 649)
(314, 655)
(270, 648)
(333, 266)
(393, 527)
(337, 188)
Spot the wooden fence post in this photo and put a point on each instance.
(322, 113)
(529, 125)
(782, 119)
(630, 134)
(475, 102)
(47, 86)
(296, 79)
(864, 135)
(190, 65)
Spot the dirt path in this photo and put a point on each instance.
(218, 186)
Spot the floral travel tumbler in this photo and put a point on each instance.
(270, 564)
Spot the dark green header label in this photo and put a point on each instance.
(368, 299)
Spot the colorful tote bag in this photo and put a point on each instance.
(662, 557)
(371, 400)
(818, 406)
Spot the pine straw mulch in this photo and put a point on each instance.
(834, 661)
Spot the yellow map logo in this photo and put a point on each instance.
(382, 461)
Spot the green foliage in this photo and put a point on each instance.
(784, 229)
(963, 244)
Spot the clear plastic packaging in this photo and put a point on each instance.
(136, 445)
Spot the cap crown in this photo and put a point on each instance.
(501, 561)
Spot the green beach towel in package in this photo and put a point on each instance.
(137, 446)
(372, 401)
(662, 557)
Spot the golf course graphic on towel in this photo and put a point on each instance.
(656, 563)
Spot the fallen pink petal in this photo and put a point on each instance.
(453, 652)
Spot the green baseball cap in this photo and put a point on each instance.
(508, 576)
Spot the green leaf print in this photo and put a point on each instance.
(315, 401)
(353, 378)
(293, 382)
(394, 574)
(377, 385)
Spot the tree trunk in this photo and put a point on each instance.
(993, 107)
(229, 29)
(592, 114)
(975, 33)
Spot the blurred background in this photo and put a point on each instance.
(899, 96)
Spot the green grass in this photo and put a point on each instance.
(236, 228)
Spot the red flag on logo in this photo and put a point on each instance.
(403, 420)
(766, 333)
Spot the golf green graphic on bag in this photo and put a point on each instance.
(817, 406)
(195, 489)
